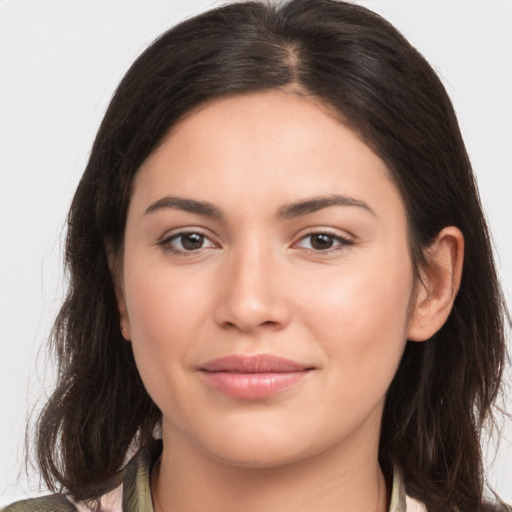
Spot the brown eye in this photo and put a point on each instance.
(186, 242)
(323, 242)
(191, 241)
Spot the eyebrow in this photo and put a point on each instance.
(315, 204)
(291, 210)
(189, 205)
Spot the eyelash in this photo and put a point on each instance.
(166, 242)
(343, 242)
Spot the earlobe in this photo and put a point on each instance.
(440, 282)
(125, 332)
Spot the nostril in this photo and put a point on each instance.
(269, 324)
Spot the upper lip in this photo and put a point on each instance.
(261, 363)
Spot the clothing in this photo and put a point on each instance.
(131, 491)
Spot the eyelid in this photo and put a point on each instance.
(346, 239)
(165, 240)
(324, 230)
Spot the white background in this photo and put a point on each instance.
(60, 61)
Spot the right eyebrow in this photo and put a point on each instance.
(188, 205)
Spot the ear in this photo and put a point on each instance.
(439, 284)
(116, 271)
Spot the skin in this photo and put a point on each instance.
(257, 283)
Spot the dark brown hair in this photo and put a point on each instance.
(358, 64)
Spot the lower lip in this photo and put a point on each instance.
(252, 386)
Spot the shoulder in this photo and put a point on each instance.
(130, 484)
(51, 503)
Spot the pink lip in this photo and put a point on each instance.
(253, 377)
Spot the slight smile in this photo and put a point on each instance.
(253, 377)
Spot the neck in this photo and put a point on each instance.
(186, 479)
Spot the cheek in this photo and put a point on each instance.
(165, 315)
(361, 319)
(163, 305)
(373, 296)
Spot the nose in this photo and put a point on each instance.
(252, 295)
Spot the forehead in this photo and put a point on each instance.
(261, 148)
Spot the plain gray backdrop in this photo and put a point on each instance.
(60, 61)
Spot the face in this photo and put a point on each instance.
(266, 282)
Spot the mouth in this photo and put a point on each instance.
(253, 377)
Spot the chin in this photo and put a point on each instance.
(258, 453)
(256, 444)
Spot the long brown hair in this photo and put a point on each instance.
(357, 63)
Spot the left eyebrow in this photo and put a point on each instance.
(314, 204)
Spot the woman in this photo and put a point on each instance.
(279, 265)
